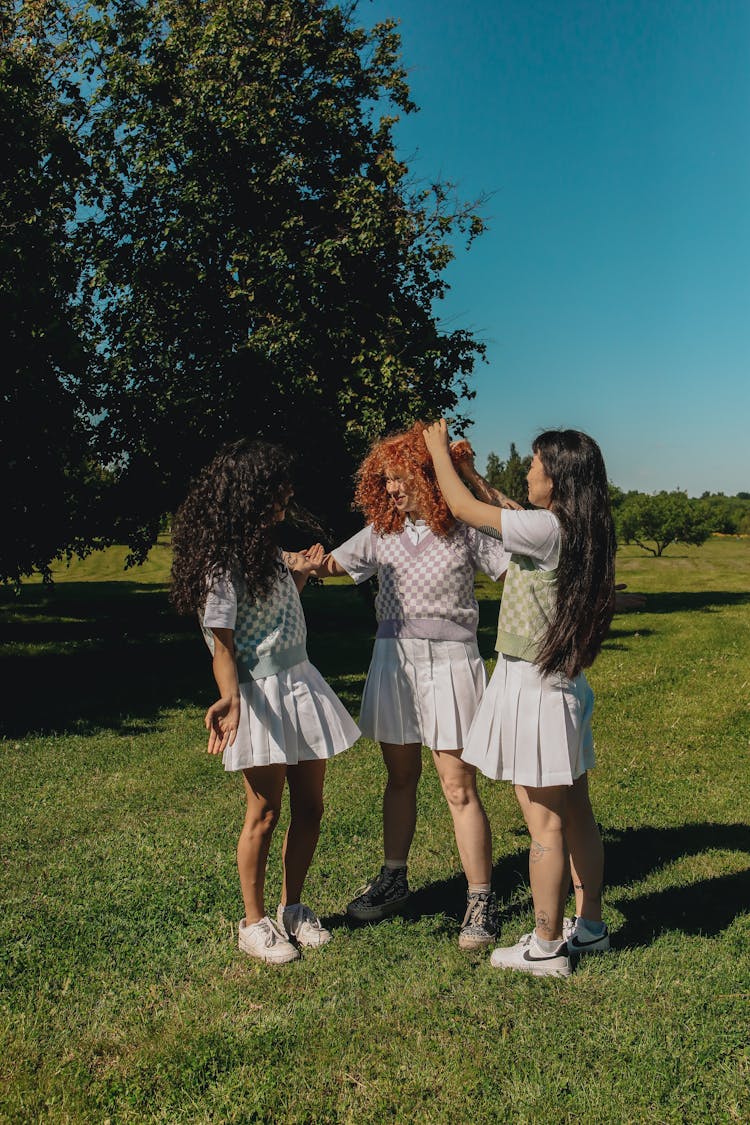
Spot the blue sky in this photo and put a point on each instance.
(613, 286)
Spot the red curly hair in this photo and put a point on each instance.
(404, 455)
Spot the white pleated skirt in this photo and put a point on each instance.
(531, 729)
(289, 718)
(422, 691)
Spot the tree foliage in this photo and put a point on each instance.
(49, 480)
(261, 262)
(509, 476)
(226, 244)
(655, 521)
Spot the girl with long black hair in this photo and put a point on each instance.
(533, 725)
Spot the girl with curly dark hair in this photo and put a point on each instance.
(426, 676)
(276, 720)
(533, 726)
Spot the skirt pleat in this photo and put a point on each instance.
(422, 691)
(531, 729)
(288, 718)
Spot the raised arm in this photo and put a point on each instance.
(462, 503)
(478, 484)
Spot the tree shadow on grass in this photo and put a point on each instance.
(706, 907)
(708, 601)
(82, 656)
(97, 654)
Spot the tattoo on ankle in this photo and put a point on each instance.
(543, 927)
(537, 851)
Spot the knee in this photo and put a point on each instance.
(404, 780)
(459, 793)
(262, 821)
(308, 811)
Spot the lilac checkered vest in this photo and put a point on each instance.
(426, 589)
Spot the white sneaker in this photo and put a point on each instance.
(265, 941)
(302, 925)
(528, 957)
(580, 940)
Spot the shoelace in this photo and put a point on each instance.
(380, 881)
(271, 933)
(306, 916)
(477, 912)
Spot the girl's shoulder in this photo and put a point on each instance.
(534, 533)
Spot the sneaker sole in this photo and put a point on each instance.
(533, 971)
(312, 944)
(285, 959)
(375, 913)
(471, 943)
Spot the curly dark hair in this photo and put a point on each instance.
(227, 523)
(586, 571)
(402, 455)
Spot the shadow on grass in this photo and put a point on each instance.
(82, 656)
(86, 655)
(705, 907)
(706, 600)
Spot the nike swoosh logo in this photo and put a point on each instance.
(577, 944)
(550, 956)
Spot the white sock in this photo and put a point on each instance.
(479, 888)
(548, 946)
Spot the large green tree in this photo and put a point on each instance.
(50, 484)
(655, 521)
(261, 260)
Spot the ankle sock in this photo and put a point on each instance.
(395, 864)
(479, 888)
(548, 946)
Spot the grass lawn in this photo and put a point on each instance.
(123, 995)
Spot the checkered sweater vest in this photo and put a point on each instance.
(527, 608)
(426, 590)
(270, 634)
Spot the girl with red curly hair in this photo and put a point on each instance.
(426, 677)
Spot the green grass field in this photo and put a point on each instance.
(125, 999)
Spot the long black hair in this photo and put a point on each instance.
(227, 523)
(586, 570)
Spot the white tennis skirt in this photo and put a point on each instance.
(531, 729)
(289, 718)
(422, 691)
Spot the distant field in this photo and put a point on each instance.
(123, 995)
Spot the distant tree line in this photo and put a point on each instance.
(652, 521)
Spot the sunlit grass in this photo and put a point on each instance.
(125, 999)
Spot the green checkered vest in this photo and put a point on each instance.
(527, 608)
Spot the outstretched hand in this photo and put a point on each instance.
(305, 562)
(222, 720)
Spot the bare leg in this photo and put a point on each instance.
(544, 811)
(473, 837)
(586, 851)
(404, 765)
(264, 786)
(305, 782)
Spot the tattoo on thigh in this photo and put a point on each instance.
(537, 851)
